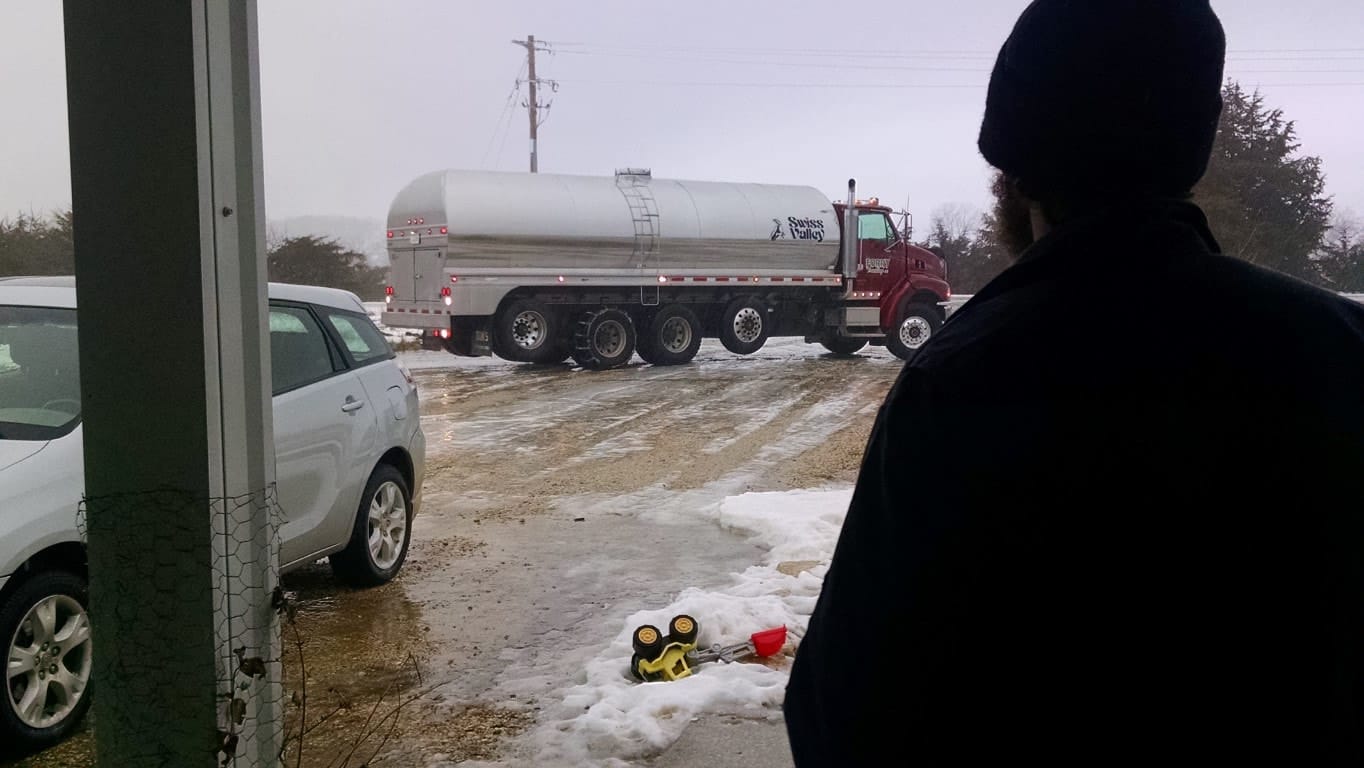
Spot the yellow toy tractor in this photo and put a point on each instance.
(672, 657)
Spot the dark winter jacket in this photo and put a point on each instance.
(1113, 513)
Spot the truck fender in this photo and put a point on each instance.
(892, 301)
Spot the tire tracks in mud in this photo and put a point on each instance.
(514, 451)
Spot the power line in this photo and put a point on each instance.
(504, 119)
(900, 86)
(902, 68)
(946, 53)
(713, 60)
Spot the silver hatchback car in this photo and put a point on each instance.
(349, 461)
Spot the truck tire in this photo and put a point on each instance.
(526, 331)
(604, 338)
(842, 347)
(744, 325)
(915, 324)
(672, 338)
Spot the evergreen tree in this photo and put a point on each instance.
(1264, 200)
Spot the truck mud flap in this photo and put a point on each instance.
(471, 336)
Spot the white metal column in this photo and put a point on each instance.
(164, 113)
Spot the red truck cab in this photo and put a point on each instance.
(905, 283)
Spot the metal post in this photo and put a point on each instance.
(850, 242)
(163, 106)
(534, 106)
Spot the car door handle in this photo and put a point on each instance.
(352, 405)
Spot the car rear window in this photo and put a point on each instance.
(360, 337)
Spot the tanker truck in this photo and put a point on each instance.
(543, 268)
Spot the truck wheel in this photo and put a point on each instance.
(743, 326)
(526, 331)
(672, 338)
(842, 347)
(916, 325)
(604, 339)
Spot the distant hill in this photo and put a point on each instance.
(357, 234)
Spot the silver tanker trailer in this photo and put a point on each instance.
(540, 268)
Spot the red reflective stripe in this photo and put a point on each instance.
(797, 279)
(700, 279)
(778, 279)
(722, 279)
(678, 279)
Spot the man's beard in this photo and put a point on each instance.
(1012, 216)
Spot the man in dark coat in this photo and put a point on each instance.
(1114, 512)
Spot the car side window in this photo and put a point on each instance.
(360, 337)
(298, 349)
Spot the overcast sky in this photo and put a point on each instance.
(360, 96)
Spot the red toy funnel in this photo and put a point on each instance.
(768, 642)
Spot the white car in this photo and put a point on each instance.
(349, 461)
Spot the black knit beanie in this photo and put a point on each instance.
(1101, 97)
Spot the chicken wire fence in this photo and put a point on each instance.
(144, 536)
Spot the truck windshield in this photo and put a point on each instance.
(39, 377)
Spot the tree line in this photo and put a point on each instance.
(38, 245)
(1264, 200)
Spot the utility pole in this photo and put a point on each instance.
(532, 104)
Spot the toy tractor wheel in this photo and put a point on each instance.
(647, 642)
(682, 629)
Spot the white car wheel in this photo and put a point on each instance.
(46, 631)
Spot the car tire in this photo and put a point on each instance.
(915, 324)
(69, 648)
(386, 513)
(672, 338)
(744, 325)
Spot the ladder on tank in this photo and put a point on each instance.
(633, 184)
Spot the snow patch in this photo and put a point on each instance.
(607, 716)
